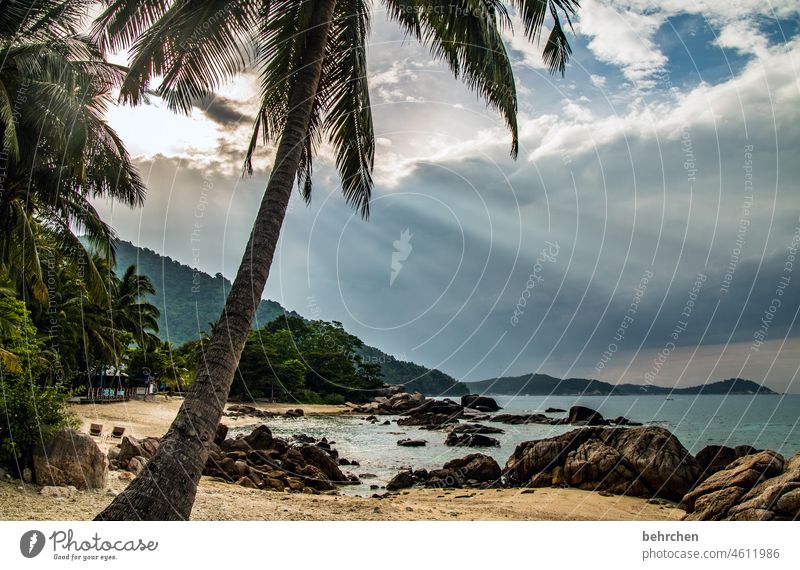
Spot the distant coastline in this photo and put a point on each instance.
(544, 385)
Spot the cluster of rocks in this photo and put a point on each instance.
(475, 470)
(392, 405)
(132, 454)
(641, 462)
(756, 486)
(260, 461)
(243, 411)
(577, 416)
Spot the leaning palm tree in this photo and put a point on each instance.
(312, 62)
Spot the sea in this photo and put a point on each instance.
(763, 421)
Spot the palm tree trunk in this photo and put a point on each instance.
(166, 489)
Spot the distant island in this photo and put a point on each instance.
(544, 385)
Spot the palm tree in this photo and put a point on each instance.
(58, 152)
(312, 63)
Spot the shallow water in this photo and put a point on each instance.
(761, 421)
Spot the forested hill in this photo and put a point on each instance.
(543, 385)
(189, 300)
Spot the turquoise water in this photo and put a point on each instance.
(761, 421)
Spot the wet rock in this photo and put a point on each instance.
(221, 434)
(470, 440)
(581, 415)
(480, 403)
(475, 428)
(713, 458)
(403, 480)
(412, 443)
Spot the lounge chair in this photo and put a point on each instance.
(117, 432)
(96, 430)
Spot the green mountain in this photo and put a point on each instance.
(544, 385)
(189, 300)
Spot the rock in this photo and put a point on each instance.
(758, 486)
(317, 457)
(58, 492)
(480, 403)
(475, 428)
(554, 411)
(260, 438)
(445, 407)
(246, 482)
(402, 480)
(713, 458)
(742, 450)
(71, 458)
(585, 416)
(131, 447)
(476, 466)
(222, 433)
(444, 478)
(316, 479)
(113, 453)
(428, 420)
(522, 419)
(136, 464)
(470, 440)
(296, 413)
(647, 462)
(412, 442)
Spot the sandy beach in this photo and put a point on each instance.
(217, 500)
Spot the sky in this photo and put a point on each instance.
(647, 232)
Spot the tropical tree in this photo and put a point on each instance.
(58, 152)
(311, 57)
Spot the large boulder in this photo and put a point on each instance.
(523, 419)
(403, 480)
(475, 467)
(71, 458)
(428, 420)
(713, 458)
(260, 438)
(475, 428)
(750, 488)
(320, 459)
(644, 462)
(480, 403)
(581, 415)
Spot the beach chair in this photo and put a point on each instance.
(96, 430)
(117, 432)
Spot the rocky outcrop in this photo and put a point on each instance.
(581, 415)
(758, 486)
(522, 419)
(642, 462)
(480, 403)
(455, 439)
(71, 458)
(428, 420)
(391, 404)
(474, 428)
(474, 470)
(261, 461)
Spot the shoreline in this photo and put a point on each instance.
(217, 500)
(222, 501)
